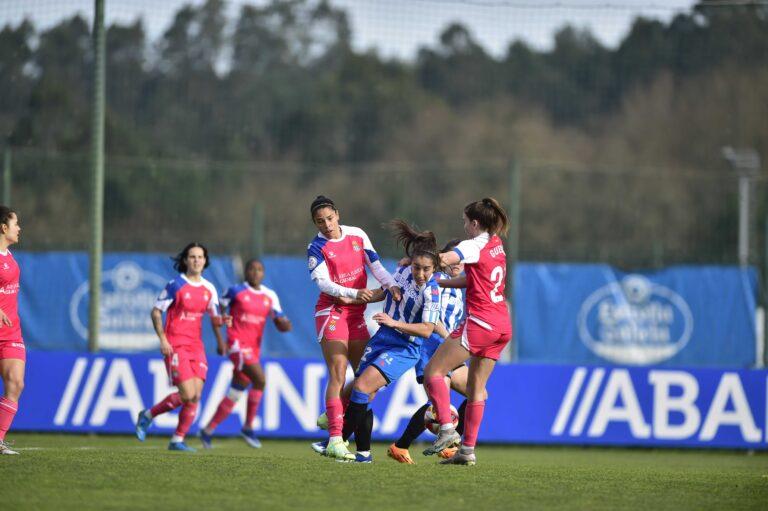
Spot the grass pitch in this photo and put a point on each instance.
(64, 472)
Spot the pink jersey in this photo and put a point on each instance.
(486, 270)
(185, 303)
(339, 266)
(250, 309)
(9, 297)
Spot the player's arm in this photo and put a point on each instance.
(416, 329)
(318, 272)
(459, 282)
(218, 320)
(441, 330)
(380, 273)
(281, 321)
(157, 322)
(378, 296)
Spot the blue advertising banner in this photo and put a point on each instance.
(537, 404)
(53, 302)
(596, 314)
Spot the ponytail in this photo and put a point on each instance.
(489, 214)
(415, 243)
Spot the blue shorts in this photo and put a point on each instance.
(428, 348)
(390, 352)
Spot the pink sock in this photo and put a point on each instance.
(171, 402)
(8, 411)
(222, 412)
(186, 418)
(335, 411)
(254, 400)
(473, 416)
(441, 398)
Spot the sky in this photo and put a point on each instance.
(398, 28)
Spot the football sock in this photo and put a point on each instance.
(186, 418)
(441, 399)
(474, 416)
(414, 429)
(254, 400)
(462, 410)
(222, 412)
(335, 412)
(8, 411)
(171, 402)
(363, 433)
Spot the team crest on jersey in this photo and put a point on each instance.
(312, 263)
(355, 246)
(205, 296)
(187, 296)
(266, 302)
(247, 298)
(6, 267)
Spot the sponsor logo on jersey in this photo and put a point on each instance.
(635, 322)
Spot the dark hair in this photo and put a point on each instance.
(5, 214)
(180, 263)
(416, 243)
(321, 202)
(451, 245)
(489, 214)
(251, 261)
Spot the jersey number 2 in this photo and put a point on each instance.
(497, 277)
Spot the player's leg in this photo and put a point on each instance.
(356, 416)
(255, 373)
(190, 391)
(12, 372)
(336, 358)
(448, 356)
(167, 404)
(237, 388)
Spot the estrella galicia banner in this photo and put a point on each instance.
(535, 404)
(53, 302)
(596, 314)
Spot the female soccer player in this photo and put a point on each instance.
(451, 313)
(185, 299)
(250, 304)
(483, 334)
(395, 347)
(337, 258)
(12, 352)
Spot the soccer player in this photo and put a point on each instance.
(482, 335)
(184, 300)
(250, 304)
(451, 313)
(12, 352)
(395, 348)
(337, 258)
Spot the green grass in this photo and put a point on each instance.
(64, 472)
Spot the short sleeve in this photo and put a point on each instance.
(277, 309)
(167, 296)
(468, 251)
(229, 295)
(431, 310)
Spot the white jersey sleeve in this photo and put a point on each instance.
(213, 303)
(277, 309)
(469, 250)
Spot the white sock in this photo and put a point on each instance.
(177, 438)
(444, 427)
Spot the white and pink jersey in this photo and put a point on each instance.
(185, 303)
(9, 297)
(250, 309)
(486, 270)
(338, 266)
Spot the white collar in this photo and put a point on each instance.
(195, 284)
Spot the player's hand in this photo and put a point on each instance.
(405, 261)
(383, 319)
(227, 319)
(165, 348)
(5, 319)
(396, 293)
(365, 295)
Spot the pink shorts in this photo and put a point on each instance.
(244, 356)
(481, 340)
(13, 349)
(185, 363)
(341, 324)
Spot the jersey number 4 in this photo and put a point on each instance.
(497, 277)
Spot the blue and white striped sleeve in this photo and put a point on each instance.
(431, 310)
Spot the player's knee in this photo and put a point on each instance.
(13, 388)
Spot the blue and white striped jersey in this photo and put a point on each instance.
(451, 305)
(418, 304)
